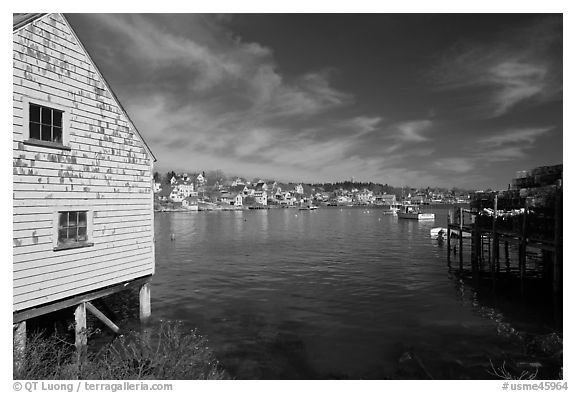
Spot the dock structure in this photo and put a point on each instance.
(83, 219)
(526, 217)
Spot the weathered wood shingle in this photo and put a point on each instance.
(108, 169)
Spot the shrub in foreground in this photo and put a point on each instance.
(166, 353)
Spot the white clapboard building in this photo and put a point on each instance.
(83, 224)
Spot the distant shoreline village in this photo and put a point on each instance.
(194, 192)
(198, 191)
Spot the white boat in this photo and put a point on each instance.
(456, 233)
(390, 209)
(412, 212)
(311, 207)
(438, 233)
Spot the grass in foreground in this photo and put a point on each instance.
(169, 353)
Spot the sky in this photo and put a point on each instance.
(463, 100)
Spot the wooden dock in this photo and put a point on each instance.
(498, 243)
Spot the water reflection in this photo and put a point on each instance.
(332, 293)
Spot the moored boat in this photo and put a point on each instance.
(438, 233)
(390, 209)
(312, 207)
(456, 233)
(412, 212)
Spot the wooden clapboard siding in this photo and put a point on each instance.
(32, 279)
(23, 267)
(94, 283)
(48, 256)
(37, 237)
(102, 236)
(108, 171)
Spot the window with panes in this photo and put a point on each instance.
(72, 228)
(45, 123)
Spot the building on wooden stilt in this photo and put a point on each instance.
(83, 221)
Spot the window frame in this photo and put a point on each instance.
(26, 101)
(56, 226)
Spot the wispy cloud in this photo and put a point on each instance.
(519, 136)
(412, 131)
(224, 94)
(490, 156)
(517, 81)
(213, 61)
(506, 145)
(362, 125)
(455, 164)
(498, 77)
(205, 97)
(510, 144)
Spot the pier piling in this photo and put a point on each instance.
(448, 236)
(507, 255)
(477, 243)
(522, 254)
(493, 267)
(557, 266)
(145, 310)
(81, 340)
(19, 345)
(460, 240)
(521, 223)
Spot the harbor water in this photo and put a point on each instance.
(331, 293)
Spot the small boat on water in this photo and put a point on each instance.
(438, 233)
(312, 207)
(390, 209)
(412, 212)
(456, 233)
(442, 233)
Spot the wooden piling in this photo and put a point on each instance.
(493, 267)
(460, 241)
(145, 309)
(477, 238)
(489, 248)
(81, 339)
(481, 247)
(19, 345)
(448, 236)
(145, 314)
(557, 264)
(497, 253)
(507, 255)
(522, 254)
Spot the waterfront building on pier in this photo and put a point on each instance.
(83, 220)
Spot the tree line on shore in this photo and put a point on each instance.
(214, 177)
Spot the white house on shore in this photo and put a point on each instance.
(176, 196)
(83, 220)
(239, 200)
(185, 188)
(261, 197)
(190, 203)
